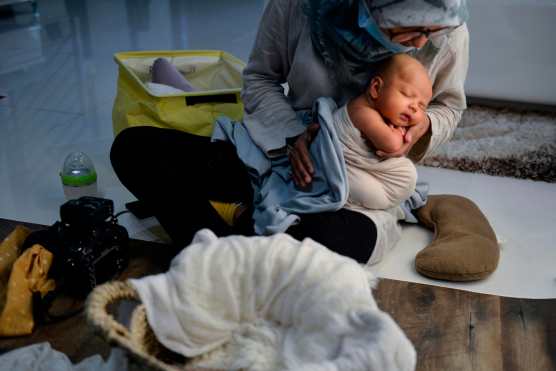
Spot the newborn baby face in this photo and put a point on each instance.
(406, 93)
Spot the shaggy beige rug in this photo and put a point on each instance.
(502, 142)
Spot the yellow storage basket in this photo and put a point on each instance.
(217, 74)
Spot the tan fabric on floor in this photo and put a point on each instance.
(464, 247)
(29, 275)
(9, 248)
(9, 251)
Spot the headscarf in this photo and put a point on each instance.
(347, 33)
(416, 13)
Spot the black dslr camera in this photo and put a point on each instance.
(88, 244)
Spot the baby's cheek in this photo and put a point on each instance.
(419, 118)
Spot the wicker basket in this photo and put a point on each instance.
(139, 339)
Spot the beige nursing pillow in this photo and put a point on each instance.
(464, 247)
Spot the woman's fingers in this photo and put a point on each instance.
(302, 153)
(298, 182)
(302, 145)
(312, 131)
(414, 132)
(300, 159)
(300, 175)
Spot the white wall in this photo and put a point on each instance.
(513, 50)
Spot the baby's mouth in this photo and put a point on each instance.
(405, 117)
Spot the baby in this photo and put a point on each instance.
(396, 98)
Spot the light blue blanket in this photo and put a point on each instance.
(277, 200)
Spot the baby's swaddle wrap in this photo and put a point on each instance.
(373, 183)
(271, 303)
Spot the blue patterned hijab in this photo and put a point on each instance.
(347, 35)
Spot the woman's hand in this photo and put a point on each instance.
(413, 134)
(298, 153)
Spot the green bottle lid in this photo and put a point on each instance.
(78, 170)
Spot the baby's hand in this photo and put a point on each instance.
(402, 130)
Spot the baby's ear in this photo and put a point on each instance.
(375, 87)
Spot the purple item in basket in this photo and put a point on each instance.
(164, 72)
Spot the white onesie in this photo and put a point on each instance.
(373, 183)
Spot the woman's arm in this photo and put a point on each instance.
(269, 116)
(449, 100)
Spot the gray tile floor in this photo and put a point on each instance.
(58, 73)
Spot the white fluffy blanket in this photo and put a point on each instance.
(271, 303)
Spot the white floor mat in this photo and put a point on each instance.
(523, 215)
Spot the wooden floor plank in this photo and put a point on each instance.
(459, 330)
(529, 334)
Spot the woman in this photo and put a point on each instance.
(319, 48)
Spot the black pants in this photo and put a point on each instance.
(176, 174)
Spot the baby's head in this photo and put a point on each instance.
(401, 90)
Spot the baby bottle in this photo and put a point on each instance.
(78, 175)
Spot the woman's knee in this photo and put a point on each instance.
(129, 142)
(142, 152)
(344, 231)
(148, 146)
